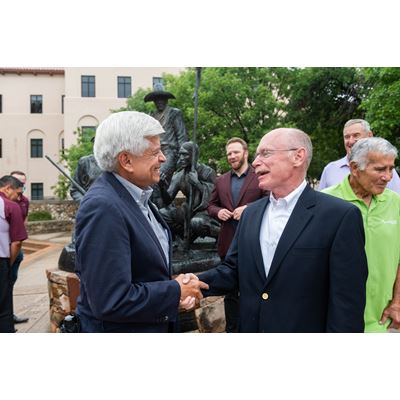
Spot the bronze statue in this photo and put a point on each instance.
(175, 135)
(87, 171)
(195, 181)
(85, 174)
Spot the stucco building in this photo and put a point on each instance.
(41, 108)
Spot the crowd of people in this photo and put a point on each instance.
(293, 259)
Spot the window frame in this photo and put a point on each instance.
(36, 147)
(34, 105)
(87, 86)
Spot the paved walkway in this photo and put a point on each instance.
(31, 297)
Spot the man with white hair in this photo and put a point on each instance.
(123, 247)
(297, 257)
(335, 171)
(371, 168)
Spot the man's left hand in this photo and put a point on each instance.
(392, 311)
(237, 212)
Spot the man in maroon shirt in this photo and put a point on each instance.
(232, 192)
(12, 233)
(23, 203)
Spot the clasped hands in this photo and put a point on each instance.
(190, 290)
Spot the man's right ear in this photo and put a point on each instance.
(125, 160)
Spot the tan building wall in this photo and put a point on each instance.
(18, 126)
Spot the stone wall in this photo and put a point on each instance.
(39, 227)
(60, 210)
(62, 213)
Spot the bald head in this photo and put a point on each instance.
(293, 139)
(282, 160)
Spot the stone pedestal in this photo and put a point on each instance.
(210, 317)
(64, 290)
(63, 293)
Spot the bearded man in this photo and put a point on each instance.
(232, 192)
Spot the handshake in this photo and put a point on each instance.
(190, 290)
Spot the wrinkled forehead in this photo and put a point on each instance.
(355, 128)
(272, 140)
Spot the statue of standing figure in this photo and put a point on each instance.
(175, 135)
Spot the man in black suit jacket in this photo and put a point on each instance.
(298, 256)
(123, 247)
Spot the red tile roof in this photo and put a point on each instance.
(34, 71)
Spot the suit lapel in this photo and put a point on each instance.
(227, 187)
(126, 196)
(255, 240)
(250, 176)
(301, 216)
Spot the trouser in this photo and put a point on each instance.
(231, 306)
(6, 302)
(15, 267)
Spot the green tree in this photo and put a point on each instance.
(382, 106)
(319, 102)
(70, 157)
(232, 102)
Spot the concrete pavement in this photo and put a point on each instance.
(31, 297)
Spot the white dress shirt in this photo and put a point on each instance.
(274, 221)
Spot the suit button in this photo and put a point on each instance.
(265, 296)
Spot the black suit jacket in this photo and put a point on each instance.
(125, 279)
(317, 278)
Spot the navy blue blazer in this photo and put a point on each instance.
(125, 280)
(318, 275)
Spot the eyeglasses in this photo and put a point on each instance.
(265, 153)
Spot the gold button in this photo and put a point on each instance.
(265, 296)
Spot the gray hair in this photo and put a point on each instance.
(298, 138)
(365, 125)
(123, 131)
(361, 149)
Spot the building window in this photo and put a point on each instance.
(88, 85)
(1, 148)
(124, 86)
(36, 104)
(1, 103)
(36, 191)
(157, 82)
(62, 103)
(88, 132)
(36, 148)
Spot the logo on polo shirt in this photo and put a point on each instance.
(389, 221)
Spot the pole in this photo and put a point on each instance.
(80, 189)
(188, 215)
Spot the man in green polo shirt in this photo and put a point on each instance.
(371, 168)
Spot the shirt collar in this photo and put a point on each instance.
(344, 162)
(233, 173)
(291, 199)
(140, 195)
(349, 194)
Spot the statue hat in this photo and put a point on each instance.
(158, 93)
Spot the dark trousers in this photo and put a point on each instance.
(231, 307)
(15, 267)
(6, 301)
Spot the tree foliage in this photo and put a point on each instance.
(382, 106)
(232, 102)
(70, 157)
(248, 102)
(319, 102)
